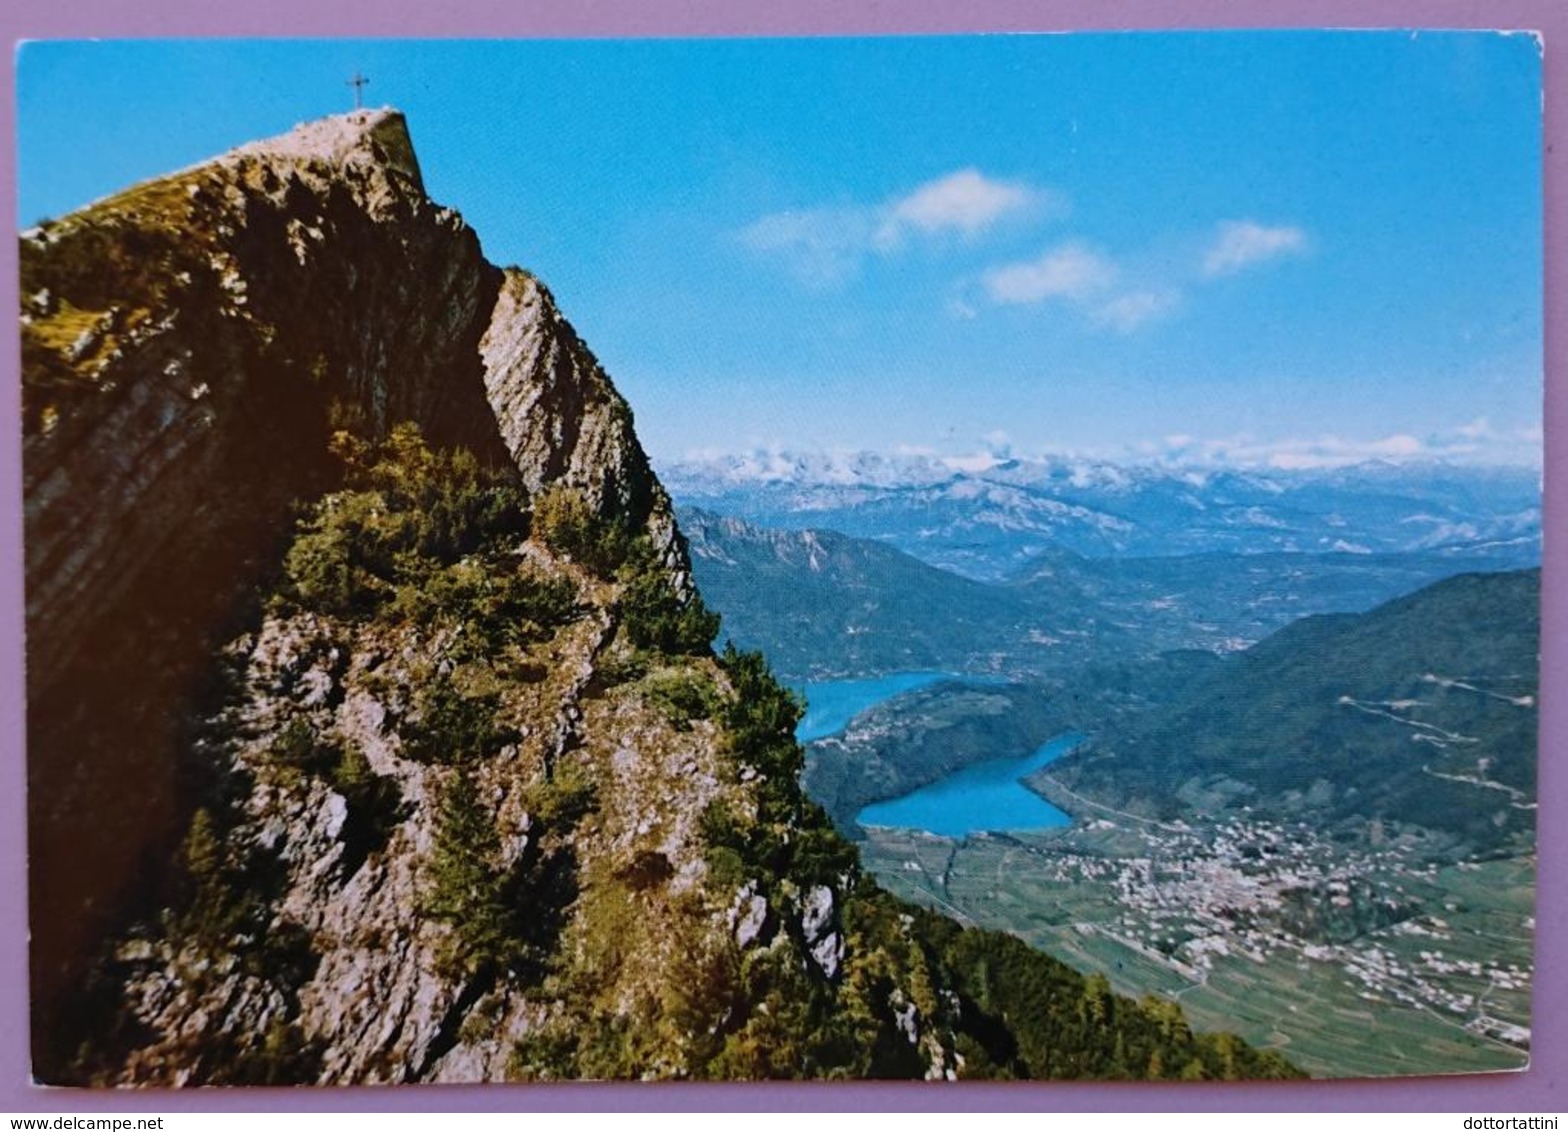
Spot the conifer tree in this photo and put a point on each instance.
(467, 890)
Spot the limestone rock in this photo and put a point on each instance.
(188, 345)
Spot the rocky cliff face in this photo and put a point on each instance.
(189, 345)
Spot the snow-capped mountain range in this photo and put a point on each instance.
(988, 516)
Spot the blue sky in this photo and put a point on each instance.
(1263, 248)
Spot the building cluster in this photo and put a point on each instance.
(1246, 888)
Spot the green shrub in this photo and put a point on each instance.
(467, 889)
(759, 731)
(224, 901)
(296, 748)
(454, 726)
(620, 668)
(505, 921)
(761, 717)
(654, 614)
(406, 511)
(562, 799)
(496, 602)
(326, 567)
(684, 697)
(445, 502)
(375, 806)
(544, 1055)
(213, 910)
(563, 521)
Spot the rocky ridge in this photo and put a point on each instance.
(188, 346)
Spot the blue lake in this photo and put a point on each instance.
(831, 704)
(982, 797)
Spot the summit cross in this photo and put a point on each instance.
(358, 82)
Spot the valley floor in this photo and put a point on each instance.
(1350, 961)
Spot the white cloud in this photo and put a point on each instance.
(1071, 271)
(1333, 452)
(961, 308)
(1239, 244)
(821, 246)
(998, 443)
(966, 201)
(1298, 453)
(1476, 442)
(974, 464)
(1126, 313)
(827, 246)
(1076, 274)
(1478, 429)
(1485, 441)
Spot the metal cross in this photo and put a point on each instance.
(357, 82)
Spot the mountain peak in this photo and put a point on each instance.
(371, 137)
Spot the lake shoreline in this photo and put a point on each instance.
(989, 796)
(838, 703)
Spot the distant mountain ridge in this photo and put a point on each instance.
(1421, 713)
(989, 517)
(826, 605)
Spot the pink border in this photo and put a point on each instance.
(1540, 1089)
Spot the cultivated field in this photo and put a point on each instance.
(1440, 985)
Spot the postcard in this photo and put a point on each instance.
(949, 558)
